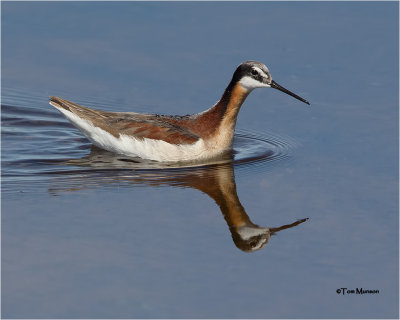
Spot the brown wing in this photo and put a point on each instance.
(152, 127)
(136, 125)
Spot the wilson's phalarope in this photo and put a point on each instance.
(172, 138)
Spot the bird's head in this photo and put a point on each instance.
(253, 74)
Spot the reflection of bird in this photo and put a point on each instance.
(246, 235)
(172, 138)
(217, 181)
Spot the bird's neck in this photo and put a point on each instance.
(220, 120)
(227, 109)
(231, 101)
(221, 187)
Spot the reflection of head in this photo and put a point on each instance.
(250, 238)
(216, 180)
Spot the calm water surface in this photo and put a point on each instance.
(306, 203)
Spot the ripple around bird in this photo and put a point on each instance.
(39, 145)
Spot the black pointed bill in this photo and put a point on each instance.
(280, 88)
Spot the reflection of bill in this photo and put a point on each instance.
(216, 180)
(246, 235)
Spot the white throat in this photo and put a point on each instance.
(249, 83)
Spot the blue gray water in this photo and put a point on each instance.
(89, 234)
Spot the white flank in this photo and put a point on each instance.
(157, 150)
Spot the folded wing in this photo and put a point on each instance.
(136, 125)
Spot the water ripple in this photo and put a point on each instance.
(39, 145)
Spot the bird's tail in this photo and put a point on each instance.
(63, 104)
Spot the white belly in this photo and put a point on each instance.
(157, 150)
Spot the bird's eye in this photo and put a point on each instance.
(254, 72)
(253, 244)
